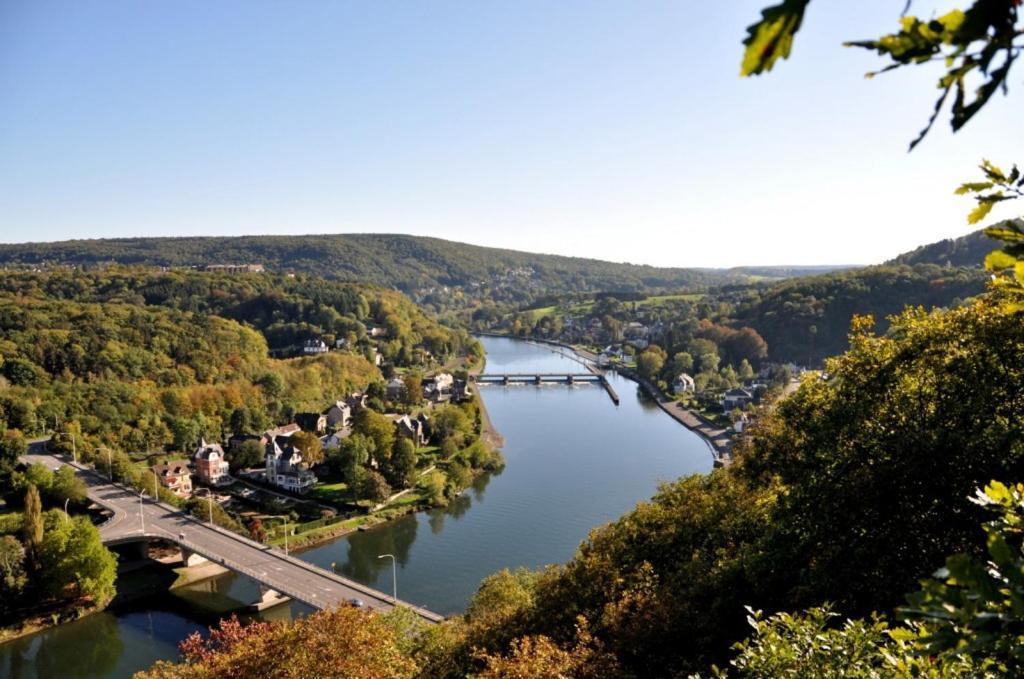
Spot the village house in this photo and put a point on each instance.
(394, 389)
(283, 430)
(334, 440)
(340, 343)
(175, 476)
(314, 423)
(285, 467)
(415, 429)
(376, 332)
(356, 401)
(683, 384)
(439, 387)
(736, 398)
(211, 467)
(339, 415)
(461, 391)
(314, 346)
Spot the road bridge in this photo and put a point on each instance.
(592, 376)
(137, 519)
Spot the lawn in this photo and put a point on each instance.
(330, 492)
(661, 300)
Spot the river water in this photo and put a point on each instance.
(574, 462)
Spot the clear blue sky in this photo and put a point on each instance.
(618, 130)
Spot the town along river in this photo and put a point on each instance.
(574, 461)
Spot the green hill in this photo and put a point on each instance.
(969, 250)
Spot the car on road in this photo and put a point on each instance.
(357, 603)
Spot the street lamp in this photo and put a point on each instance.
(394, 577)
(142, 510)
(66, 500)
(110, 463)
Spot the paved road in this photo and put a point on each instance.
(134, 519)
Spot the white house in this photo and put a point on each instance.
(339, 415)
(736, 398)
(285, 467)
(682, 384)
(314, 346)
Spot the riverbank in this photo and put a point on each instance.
(718, 440)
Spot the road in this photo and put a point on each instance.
(135, 519)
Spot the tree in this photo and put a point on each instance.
(67, 486)
(432, 486)
(308, 444)
(256, 530)
(451, 423)
(374, 487)
(412, 392)
(73, 560)
(341, 643)
(982, 41)
(745, 372)
(32, 529)
(13, 576)
(650, 362)
(403, 462)
(682, 362)
(247, 454)
(378, 428)
(240, 421)
(12, 447)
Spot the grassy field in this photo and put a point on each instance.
(330, 492)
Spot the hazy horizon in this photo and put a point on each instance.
(597, 130)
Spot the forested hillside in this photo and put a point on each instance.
(408, 263)
(969, 251)
(805, 320)
(140, 359)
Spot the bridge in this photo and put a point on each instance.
(593, 376)
(537, 378)
(139, 520)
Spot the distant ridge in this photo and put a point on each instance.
(409, 263)
(968, 251)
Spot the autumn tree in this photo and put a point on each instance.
(309, 446)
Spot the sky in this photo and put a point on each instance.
(617, 130)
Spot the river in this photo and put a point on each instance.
(574, 461)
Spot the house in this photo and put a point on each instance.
(439, 387)
(314, 346)
(340, 343)
(378, 358)
(335, 439)
(285, 467)
(415, 429)
(211, 467)
(378, 332)
(356, 401)
(736, 398)
(394, 389)
(175, 476)
(682, 384)
(315, 423)
(339, 415)
(283, 430)
(461, 390)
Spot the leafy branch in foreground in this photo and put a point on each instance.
(999, 186)
(979, 42)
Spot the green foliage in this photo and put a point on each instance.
(13, 573)
(374, 487)
(771, 38)
(74, 561)
(32, 528)
(432, 486)
(980, 42)
(403, 463)
(245, 455)
(974, 607)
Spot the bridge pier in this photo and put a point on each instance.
(268, 599)
(569, 379)
(191, 559)
(537, 380)
(505, 380)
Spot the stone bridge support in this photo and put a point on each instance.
(268, 599)
(191, 558)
